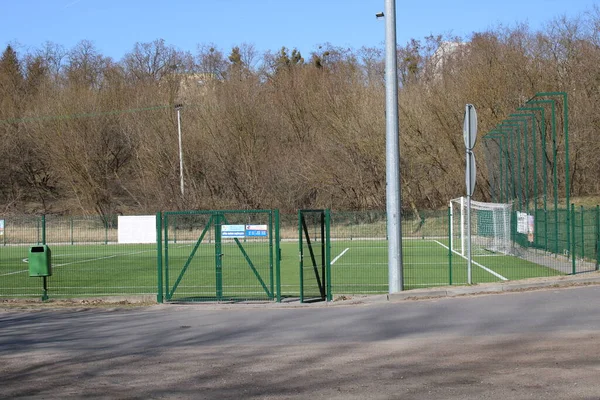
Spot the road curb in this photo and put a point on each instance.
(592, 278)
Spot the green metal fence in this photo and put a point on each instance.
(219, 255)
(90, 259)
(527, 157)
(359, 251)
(585, 235)
(87, 258)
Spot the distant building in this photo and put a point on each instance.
(196, 80)
(444, 54)
(196, 84)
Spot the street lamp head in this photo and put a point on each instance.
(178, 106)
(380, 14)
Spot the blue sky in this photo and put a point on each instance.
(114, 26)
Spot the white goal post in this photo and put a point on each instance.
(490, 227)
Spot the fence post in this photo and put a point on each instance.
(165, 237)
(329, 295)
(572, 222)
(43, 229)
(159, 269)
(272, 256)
(582, 233)
(597, 237)
(277, 257)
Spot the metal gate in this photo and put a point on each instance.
(315, 255)
(219, 255)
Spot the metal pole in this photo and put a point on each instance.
(178, 108)
(392, 152)
(450, 238)
(469, 194)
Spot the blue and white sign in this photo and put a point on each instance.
(1, 227)
(256, 230)
(233, 231)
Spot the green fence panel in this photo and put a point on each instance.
(359, 261)
(19, 234)
(225, 255)
(585, 238)
(88, 259)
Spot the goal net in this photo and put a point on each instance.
(490, 227)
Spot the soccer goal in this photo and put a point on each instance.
(490, 227)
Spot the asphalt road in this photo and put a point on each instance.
(531, 345)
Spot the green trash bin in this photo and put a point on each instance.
(40, 263)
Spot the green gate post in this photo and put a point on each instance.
(218, 256)
(166, 251)
(328, 255)
(582, 234)
(277, 257)
(301, 255)
(573, 260)
(597, 237)
(323, 254)
(159, 267)
(271, 260)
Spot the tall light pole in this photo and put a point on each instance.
(178, 107)
(392, 152)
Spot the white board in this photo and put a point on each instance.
(522, 222)
(137, 229)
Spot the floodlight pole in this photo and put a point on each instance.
(178, 107)
(392, 152)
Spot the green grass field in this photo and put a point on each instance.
(358, 267)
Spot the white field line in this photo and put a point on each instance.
(497, 275)
(339, 255)
(81, 261)
(14, 273)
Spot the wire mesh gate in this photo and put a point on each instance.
(315, 256)
(218, 255)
